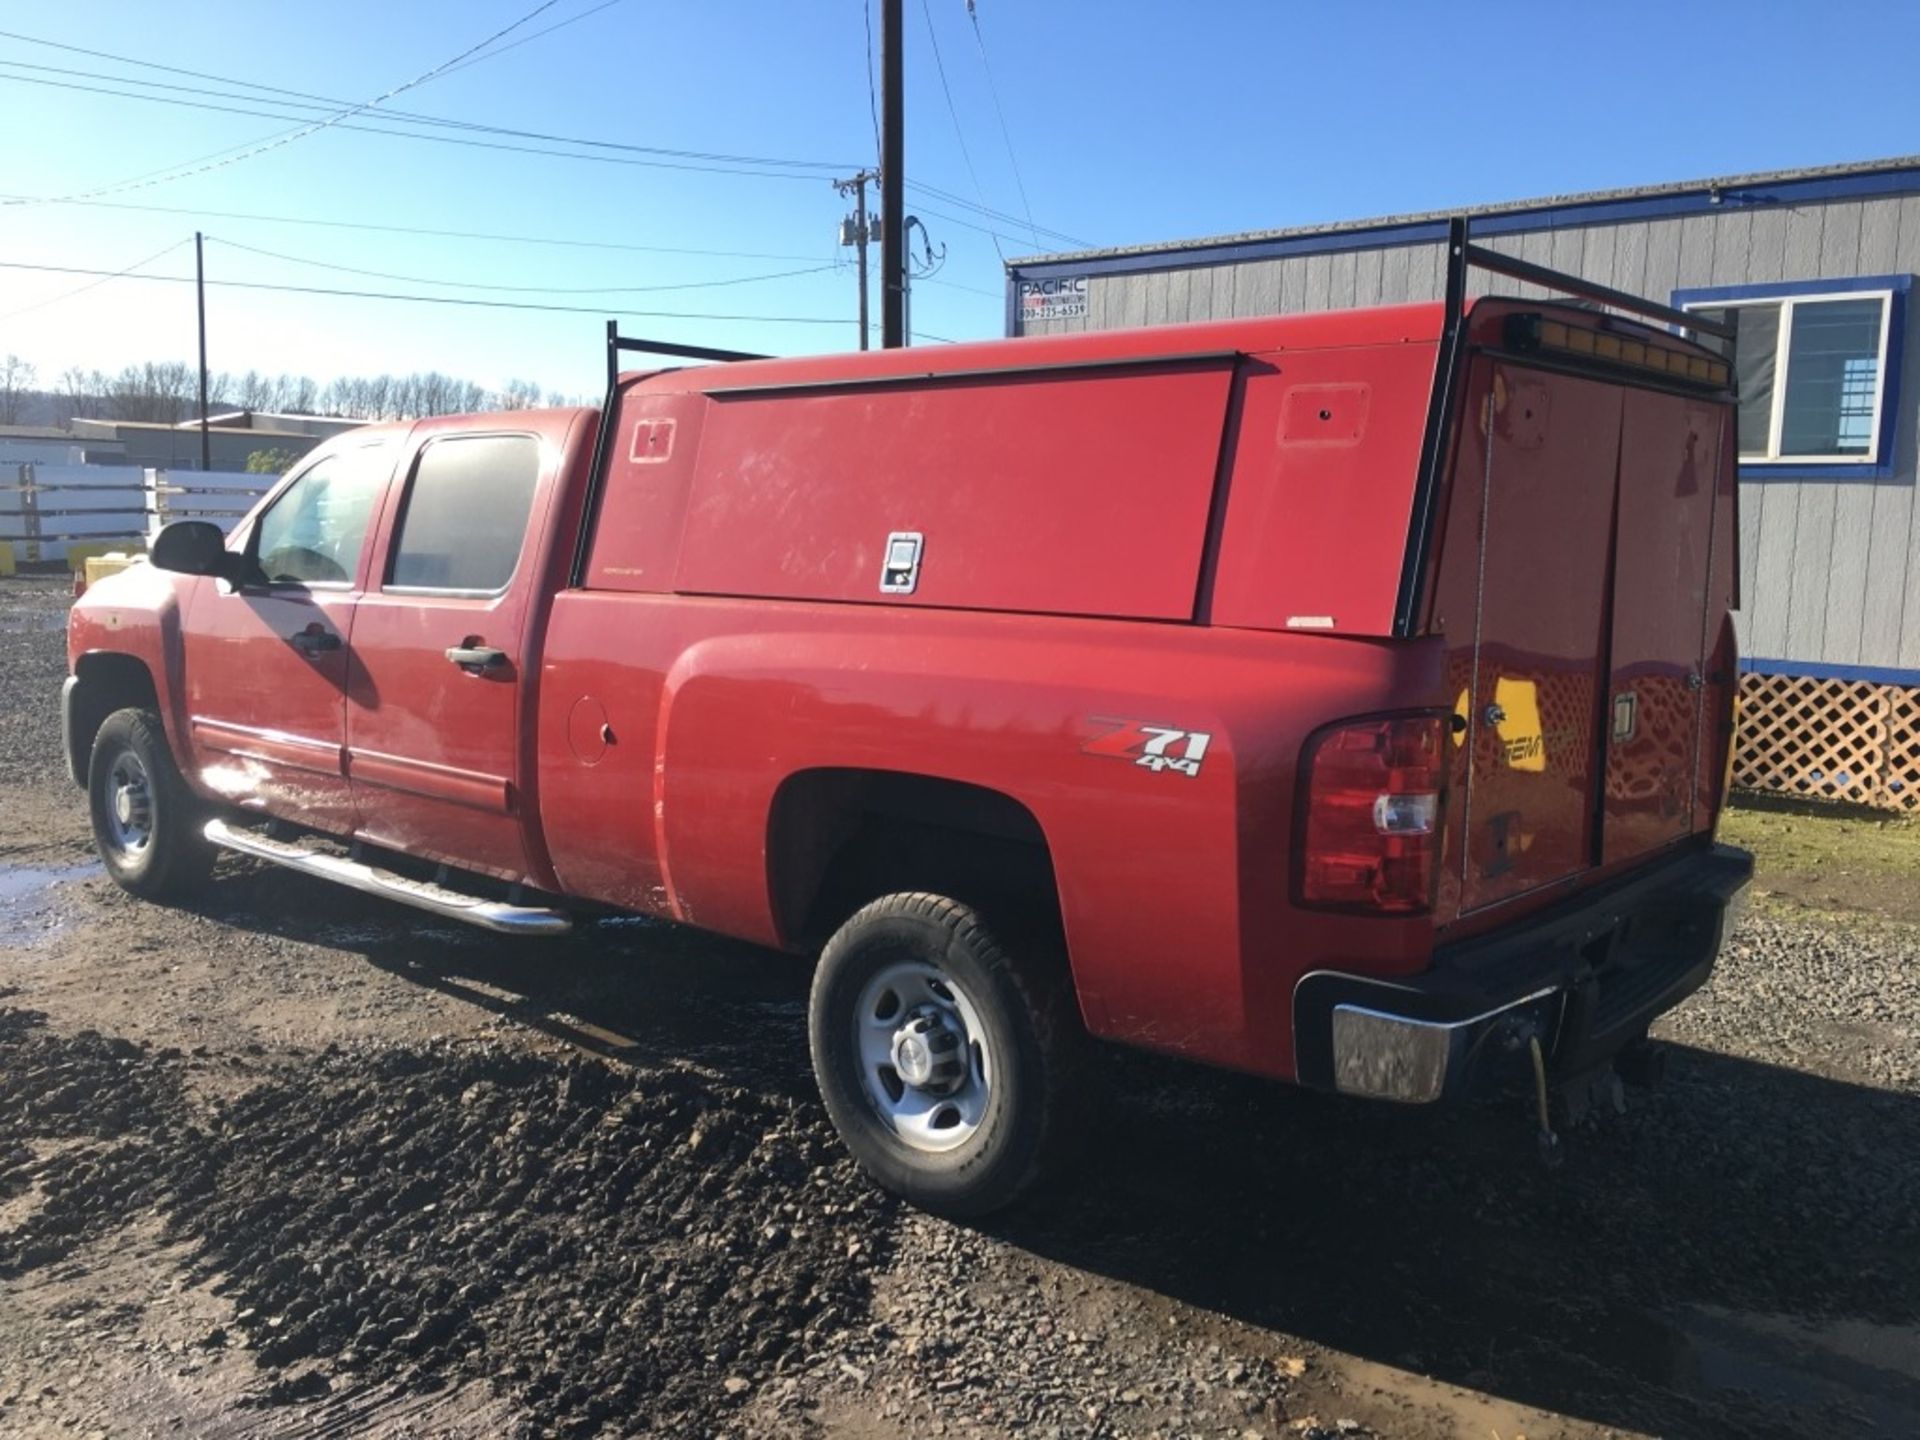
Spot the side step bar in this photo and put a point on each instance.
(422, 894)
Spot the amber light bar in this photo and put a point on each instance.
(1537, 332)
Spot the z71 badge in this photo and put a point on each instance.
(1152, 747)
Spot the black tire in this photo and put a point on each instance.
(174, 858)
(1030, 1028)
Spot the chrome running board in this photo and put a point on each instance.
(421, 894)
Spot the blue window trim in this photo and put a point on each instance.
(1819, 670)
(1881, 466)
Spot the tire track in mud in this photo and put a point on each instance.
(605, 1246)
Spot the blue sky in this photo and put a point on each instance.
(1129, 122)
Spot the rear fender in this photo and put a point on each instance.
(1171, 879)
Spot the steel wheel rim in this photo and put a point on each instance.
(932, 1119)
(129, 807)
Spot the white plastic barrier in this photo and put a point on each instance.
(45, 508)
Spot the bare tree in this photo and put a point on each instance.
(253, 391)
(301, 395)
(162, 392)
(518, 395)
(167, 393)
(16, 380)
(79, 394)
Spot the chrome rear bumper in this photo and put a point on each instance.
(1393, 1057)
(1585, 978)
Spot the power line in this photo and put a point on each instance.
(481, 235)
(719, 162)
(926, 209)
(945, 196)
(1006, 135)
(306, 100)
(220, 160)
(956, 285)
(959, 133)
(457, 300)
(990, 213)
(529, 39)
(95, 284)
(522, 289)
(278, 96)
(548, 151)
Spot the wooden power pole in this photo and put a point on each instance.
(893, 249)
(857, 232)
(200, 302)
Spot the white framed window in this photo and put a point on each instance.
(1812, 368)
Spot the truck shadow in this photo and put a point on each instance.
(1739, 1253)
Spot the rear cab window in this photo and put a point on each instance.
(465, 514)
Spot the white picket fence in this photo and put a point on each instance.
(46, 508)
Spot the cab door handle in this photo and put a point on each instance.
(477, 659)
(314, 641)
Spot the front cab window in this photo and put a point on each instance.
(314, 532)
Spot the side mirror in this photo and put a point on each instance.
(196, 547)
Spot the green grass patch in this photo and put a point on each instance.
(1829, 859)
(1808, 838)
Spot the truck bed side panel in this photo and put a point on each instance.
(1174, 887)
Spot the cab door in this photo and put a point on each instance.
(266, 665)
(440, 657)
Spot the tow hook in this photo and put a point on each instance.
(1526, 1033)
(1550, 1154)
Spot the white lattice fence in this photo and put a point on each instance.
(1850, 740)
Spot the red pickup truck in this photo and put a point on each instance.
(1343, 698)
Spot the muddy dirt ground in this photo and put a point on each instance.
(294, 1162)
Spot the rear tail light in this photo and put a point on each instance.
(1370, 813)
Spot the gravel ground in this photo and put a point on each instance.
(295, 1162)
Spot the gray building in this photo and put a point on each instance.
(1815, 265)
(177, 447)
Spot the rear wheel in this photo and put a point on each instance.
(946, 1063)
(146, 822)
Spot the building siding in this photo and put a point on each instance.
(1830, 569)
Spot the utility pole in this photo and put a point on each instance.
(200, 301)
(893, 250)
(857, 233)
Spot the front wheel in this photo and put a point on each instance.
(945, 1063)
(146, 822)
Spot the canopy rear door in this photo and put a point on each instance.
(1536, 477)
(1669, 459)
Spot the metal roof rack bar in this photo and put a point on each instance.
(1587, 290)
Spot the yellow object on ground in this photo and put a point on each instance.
(6, 557)
(81, 551)
(98, 567)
